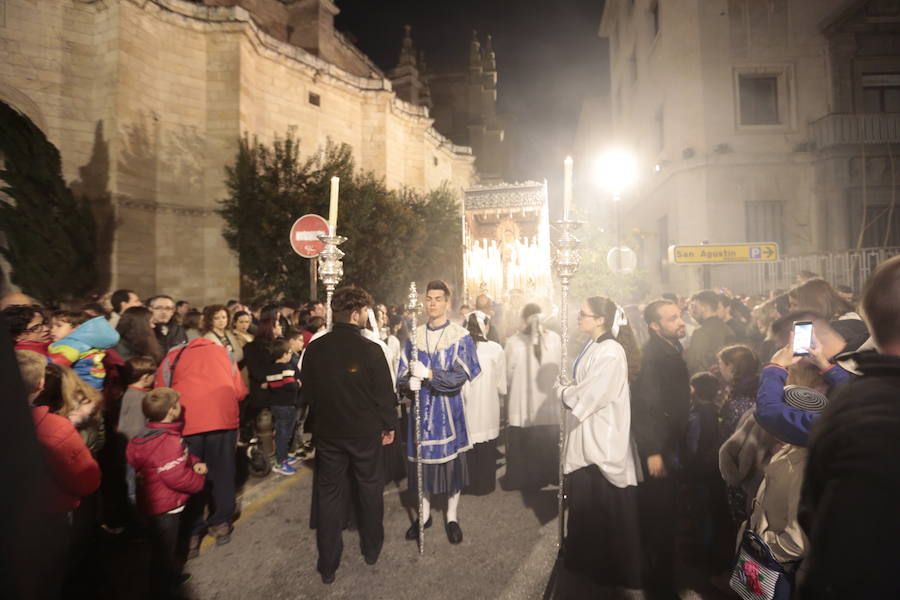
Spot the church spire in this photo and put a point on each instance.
(475, 59)
(407, 50)
(424, 77)
(489, 62)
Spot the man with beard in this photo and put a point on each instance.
(660, 405)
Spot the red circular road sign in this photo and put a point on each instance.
(305, 235)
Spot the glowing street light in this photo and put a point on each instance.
(615, 171)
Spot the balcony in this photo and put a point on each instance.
(838, 129)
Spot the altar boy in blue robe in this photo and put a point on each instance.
(446, 360)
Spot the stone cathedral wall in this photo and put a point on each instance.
(146, 100)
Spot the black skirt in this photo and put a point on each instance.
(603, 531)
(532, 457)
(443, 478)
(482, 463)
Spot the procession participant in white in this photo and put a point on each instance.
(532, 367)
(482, 403)
(446, 360)
(603, 538)
(393, 462)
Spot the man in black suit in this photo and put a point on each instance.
(347, 381)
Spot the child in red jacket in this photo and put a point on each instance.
(167, 475)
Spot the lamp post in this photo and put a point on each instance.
(614, 172)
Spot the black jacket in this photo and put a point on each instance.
(850, 503)
(258, 360)
(282, 384)
(347, 382)
(660, 400)
(174, 335)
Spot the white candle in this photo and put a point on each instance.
(567, 189)
(333, 207)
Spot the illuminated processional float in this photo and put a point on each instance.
(506, 235)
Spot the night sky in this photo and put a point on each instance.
(549, 58)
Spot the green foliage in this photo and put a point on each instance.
(594, 277)
(50, 233)
(393, 236)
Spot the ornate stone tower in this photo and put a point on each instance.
(462, 103)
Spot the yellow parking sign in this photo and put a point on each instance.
(724, 253)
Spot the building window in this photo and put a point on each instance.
(763, 97)
(764, 222)
(759, 100)
(315, 99)
(881, 93)
(654, 17)
(435, 160)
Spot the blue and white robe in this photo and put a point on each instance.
(449, 351)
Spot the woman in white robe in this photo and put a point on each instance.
(482, 402)
(603, 536)
(532, 367)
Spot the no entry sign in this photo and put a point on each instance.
(305, 235)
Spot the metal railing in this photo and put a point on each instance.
(845, 267)
(836, 129)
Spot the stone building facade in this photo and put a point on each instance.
(751, 121)
(146, 100)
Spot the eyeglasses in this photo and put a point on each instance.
(162, 308)
(38, 327)
(584, 315)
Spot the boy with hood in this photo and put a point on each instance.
(167, 475)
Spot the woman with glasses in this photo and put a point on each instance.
(28, 328)
(603, 538)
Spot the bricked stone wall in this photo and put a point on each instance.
(154, 94)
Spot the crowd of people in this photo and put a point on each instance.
(699, 411)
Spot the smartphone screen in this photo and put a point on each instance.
(802, 337)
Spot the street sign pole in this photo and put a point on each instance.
(306, 241)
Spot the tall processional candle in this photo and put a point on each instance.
(333, 207)
(567, 189)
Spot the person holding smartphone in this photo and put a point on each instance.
(813, 341)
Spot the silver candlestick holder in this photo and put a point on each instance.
(566, 260)
(331, 269)
(413, 307)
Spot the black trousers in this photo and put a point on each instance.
(217, 450)
(658, 499)
(362, 458)
(163, 565)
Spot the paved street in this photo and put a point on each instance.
(508, 552)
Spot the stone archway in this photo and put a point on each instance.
(21, 103)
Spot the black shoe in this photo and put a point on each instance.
(454, 533)
(413, 532)
(371, 560)
(327, 578)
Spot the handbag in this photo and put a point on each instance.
(756, 574)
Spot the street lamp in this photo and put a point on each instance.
(614, 172)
